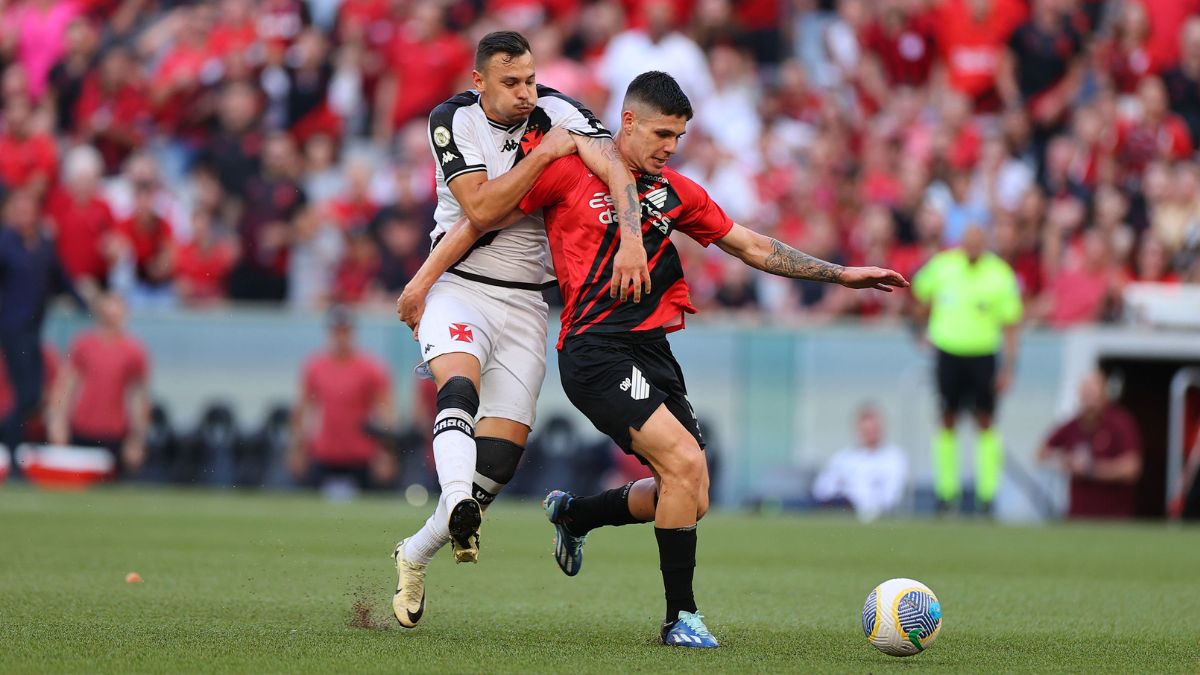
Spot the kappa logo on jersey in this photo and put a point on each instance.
(448, 157)
(636, 385)
(461, 332)
(510, 145)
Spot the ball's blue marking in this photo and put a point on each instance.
(914, 612)
(868, 617)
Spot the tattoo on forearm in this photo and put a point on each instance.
(629, 213)
(631, 216)
(788, 262)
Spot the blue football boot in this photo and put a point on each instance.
(568, 548)
(688, 631)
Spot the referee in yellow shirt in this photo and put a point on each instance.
(974, 306)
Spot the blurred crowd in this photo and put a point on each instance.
(192, 153)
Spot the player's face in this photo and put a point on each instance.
(507, 87)
(651, 138)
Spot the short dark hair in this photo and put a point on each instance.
(508, 42)
(659, 91)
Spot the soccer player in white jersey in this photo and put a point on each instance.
(483, 327)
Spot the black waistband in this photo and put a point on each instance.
(519, 285)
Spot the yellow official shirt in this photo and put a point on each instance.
(970, 303)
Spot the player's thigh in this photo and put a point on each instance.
(670, 448)
(455, 364)
(603, 381)
(512, 377)
(502, 428)
(458, 323)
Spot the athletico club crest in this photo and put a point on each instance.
(461, 332)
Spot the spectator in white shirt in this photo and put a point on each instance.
(657, 47)
(870, 475)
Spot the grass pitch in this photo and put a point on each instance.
(254, 583)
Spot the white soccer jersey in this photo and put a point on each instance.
(464, 141)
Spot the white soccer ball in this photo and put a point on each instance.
(902, 617)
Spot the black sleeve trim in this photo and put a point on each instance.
(465, 170)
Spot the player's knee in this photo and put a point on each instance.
(701, 504)
(458, 392)
(685, 468)
(458, 403)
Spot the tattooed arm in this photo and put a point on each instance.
(771, 255)
(629, 267)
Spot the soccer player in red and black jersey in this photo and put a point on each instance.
(614, 360)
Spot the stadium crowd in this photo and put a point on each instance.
(191, 153)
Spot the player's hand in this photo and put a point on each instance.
(1003, 379)
(384, 468)
(872, 277)
(558, 142)
(631, 274)
(411, 305)
(133, 454)
(297, 464)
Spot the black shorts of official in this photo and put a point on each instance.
(966, 383)
(618, 380)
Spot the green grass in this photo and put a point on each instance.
(251, 583)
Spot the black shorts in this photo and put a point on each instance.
(966, 382)
(618, 380)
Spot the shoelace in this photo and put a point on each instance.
(696, 623)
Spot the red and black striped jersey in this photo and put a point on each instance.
(584, 237)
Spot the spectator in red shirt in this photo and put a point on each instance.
(189, 65)
(358, 269)
(101, 398)
(28, 159)
(344, 391)
(1125, 58)
(144, 241)
(971, 37)
(1159, 134)
(1166, 16)
(901, 41)
(1087, 290)
(80, 218)
(112, 112)
(1101, 450)
(427, 62)
(203, 264)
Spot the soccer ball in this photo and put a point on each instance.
(902, 617)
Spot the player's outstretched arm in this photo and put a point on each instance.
(771, 255)
(630, 268)
(486, 202)
(455, 244)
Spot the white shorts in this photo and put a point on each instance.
(504, 328)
